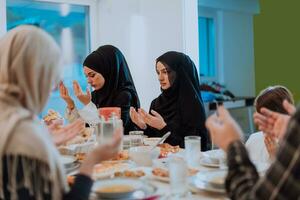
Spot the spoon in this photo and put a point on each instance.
(162, 139)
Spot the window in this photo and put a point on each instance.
(69, 25)
(207, 57)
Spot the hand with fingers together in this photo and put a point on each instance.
(223, 128)
(271, 145)
(83, 98)
(273, 123)
(62, 134)
(154, 119)
(137, 118)
(64, 94)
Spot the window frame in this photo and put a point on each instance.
(93, 16)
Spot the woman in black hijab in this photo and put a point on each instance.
(179, 107)
(107, 72)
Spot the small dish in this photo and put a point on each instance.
(143, 155)
(151, 141)
(116, 188)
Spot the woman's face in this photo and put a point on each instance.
(95, 79)
(166, 75)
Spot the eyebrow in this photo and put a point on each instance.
(91, 73)
(162, 69)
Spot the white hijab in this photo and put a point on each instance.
(29, 68)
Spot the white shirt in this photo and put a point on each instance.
(88, 113)
(257, 149)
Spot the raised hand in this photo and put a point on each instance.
(271, 145)
(154, 119)
(83, 98)
(64, 94)
(272, 123)
(223, 128)
(101, 153)
(137, 119)
(61, 134)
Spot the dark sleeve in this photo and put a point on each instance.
(123, 100)
(173, 139)
(281, 181)
(81, 188)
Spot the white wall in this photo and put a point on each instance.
(144, 30)
(237, 57)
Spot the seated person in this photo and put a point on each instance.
(30, 166)
(108, 73)
(179, 108)
(262, 147)
(282, 180)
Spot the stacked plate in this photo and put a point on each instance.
(213, 158)
(211, 181)
(69, 163)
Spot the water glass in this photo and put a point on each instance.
(192, 150)
(106, 129)
(178, 176)
(136, 138)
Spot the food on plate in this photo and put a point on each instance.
(122, 155)
(80, 156)
(130, 174)
(118, 188)
(160, 172)
(108, 166)
(87, 133)
(83, 137)
(51, 115)
(165, 173)
(166, 149)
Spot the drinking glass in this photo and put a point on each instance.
(178, 176)
(192, 150)
(105, 131)
(136, 138)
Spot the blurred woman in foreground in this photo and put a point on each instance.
(30, 166)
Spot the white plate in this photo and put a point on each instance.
(72, 169)
(134, 185)
(67, 160)
(146, 170)
(160, 178)
(147, 191)
(207, 162)
(215, 178)
(109, 172)
(198, 185)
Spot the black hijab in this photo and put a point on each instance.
(182, 100)
(111, 64)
